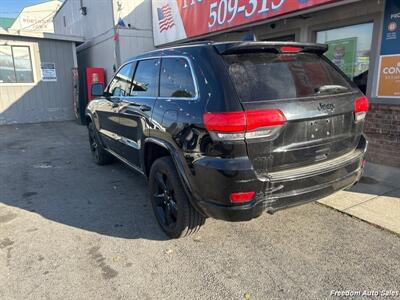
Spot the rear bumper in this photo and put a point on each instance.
(283, 189)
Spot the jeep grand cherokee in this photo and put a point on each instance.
(230, 130)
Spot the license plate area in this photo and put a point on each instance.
(319, 129)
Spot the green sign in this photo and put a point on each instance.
(343, 53)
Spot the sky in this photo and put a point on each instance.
(11, 8)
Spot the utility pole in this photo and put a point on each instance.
(117, 50)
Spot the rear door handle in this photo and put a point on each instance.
(144, 107)
(134, 106)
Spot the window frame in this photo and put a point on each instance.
(160, 57)
(137, 62)
(374, 18)
(344, 25)
(134, 65)
(16, 83)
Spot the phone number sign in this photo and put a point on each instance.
(192, 18)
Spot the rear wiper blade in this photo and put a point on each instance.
(330, 88)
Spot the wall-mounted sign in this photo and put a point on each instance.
(48, 71)
(37, 17)
(180, 19)
(391, 28)
(343, 53)
(389, 64)
(389, 76)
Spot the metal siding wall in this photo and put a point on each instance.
(137, 13)
(137, 36)
(98, 55)
(134, 42)
(98, 20)
(43, 101)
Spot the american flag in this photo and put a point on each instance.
(165, 20)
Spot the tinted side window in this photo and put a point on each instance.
(176, 78)
(145, 83)
(122, 81)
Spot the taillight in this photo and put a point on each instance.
(290, 49)
(361, 106)
(245, 124)
(225, 122)
(264, 118)
(363, 163)
(241, 197)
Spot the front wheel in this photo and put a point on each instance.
(99, 154)
(172, 209)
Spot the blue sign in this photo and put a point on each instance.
(391, 28)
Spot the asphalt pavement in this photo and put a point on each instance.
(70, 229)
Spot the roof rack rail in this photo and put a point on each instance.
(197, 42)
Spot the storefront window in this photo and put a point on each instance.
(7, 72)
(15, 65)
(350, 50)
(23, 65)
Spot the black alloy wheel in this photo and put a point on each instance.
(99, 154)
(172, 208)
(166, 208)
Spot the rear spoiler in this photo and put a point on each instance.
(274, 47)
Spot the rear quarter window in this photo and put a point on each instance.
(269, 76)
(176, 78)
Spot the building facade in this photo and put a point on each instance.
(37, 18)
(363, 38)
(113, 30)
(36, 77)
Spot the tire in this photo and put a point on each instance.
(99, 154)
(171, 206)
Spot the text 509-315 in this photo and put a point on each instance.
(226, 11)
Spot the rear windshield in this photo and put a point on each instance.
(269, 76)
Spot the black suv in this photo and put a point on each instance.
(230, 130)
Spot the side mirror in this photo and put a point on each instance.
(97, 90)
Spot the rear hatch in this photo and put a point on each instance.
(317, 102)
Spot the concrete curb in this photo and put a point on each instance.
(376, 199)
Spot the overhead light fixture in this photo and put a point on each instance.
(84, 10)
